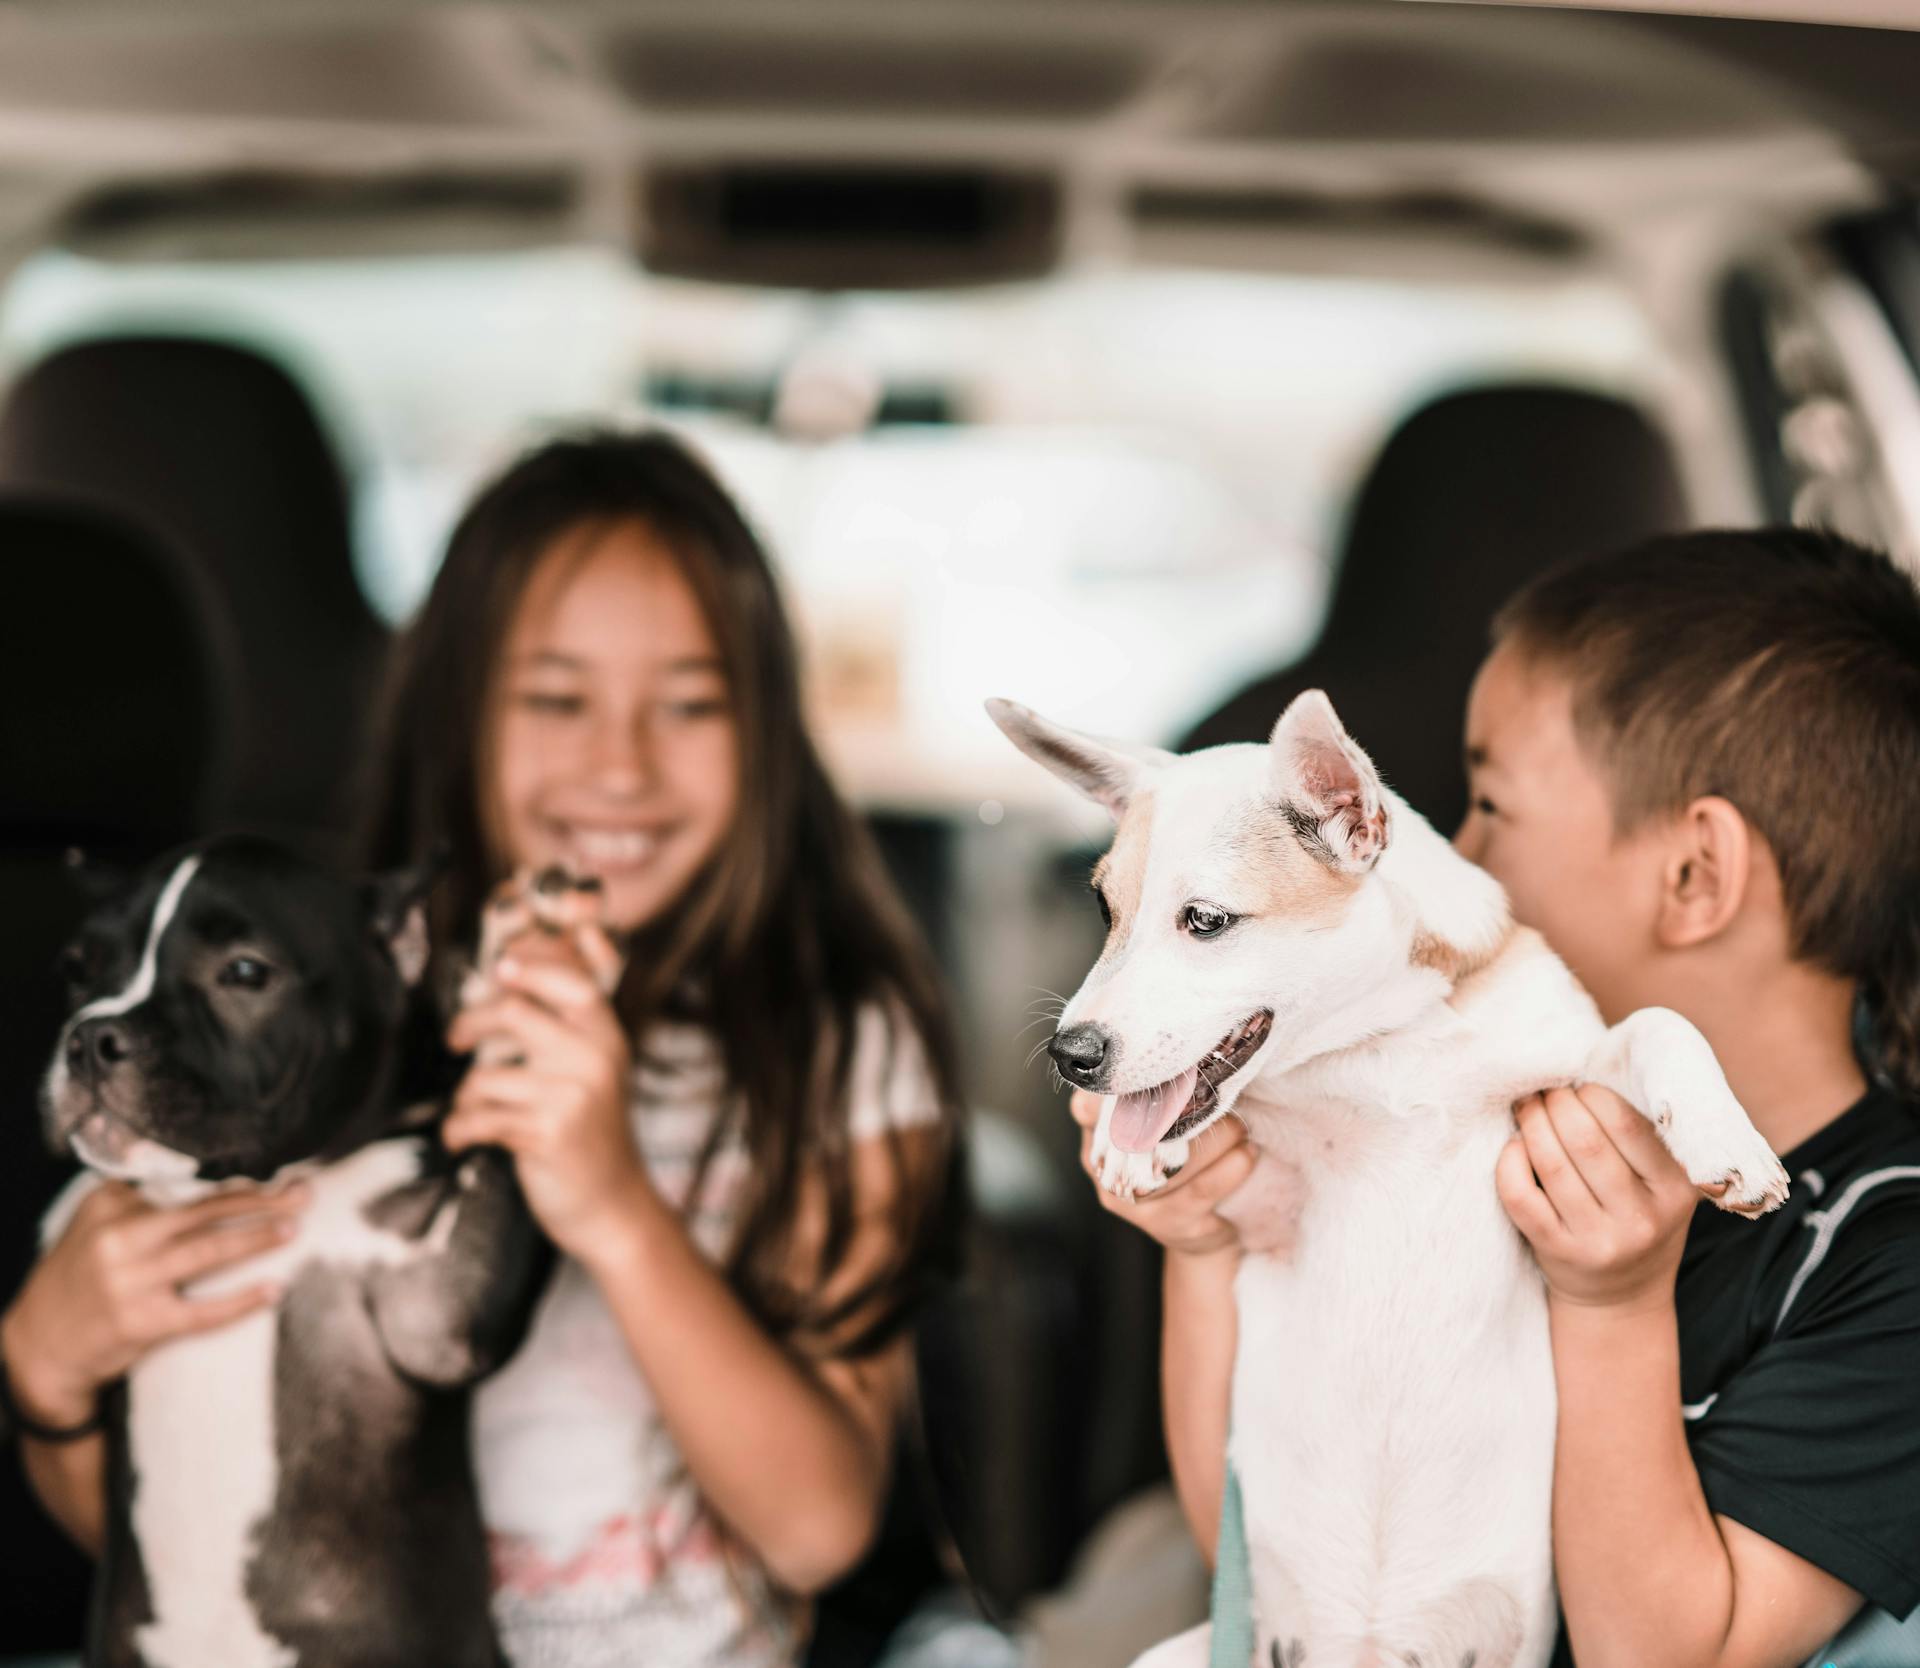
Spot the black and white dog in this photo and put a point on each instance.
(293, 1490)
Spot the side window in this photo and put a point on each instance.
(1821, 338)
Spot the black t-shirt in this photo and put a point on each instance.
(1800, 1356)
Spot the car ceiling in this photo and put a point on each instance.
(1186, 121)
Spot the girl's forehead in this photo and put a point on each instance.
(615, 594)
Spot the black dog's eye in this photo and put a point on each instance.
(1204, 921)
(246, 973)
(1099, 897)
(76, 966)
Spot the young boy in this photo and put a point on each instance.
(1695, 766)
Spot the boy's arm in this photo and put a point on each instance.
(1199, 1328)
(1197, 1341)
(1647, 1572)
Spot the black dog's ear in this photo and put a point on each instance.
(94, 877)
(397, 911)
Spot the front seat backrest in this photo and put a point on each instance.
(1471, 497)
(219, 452)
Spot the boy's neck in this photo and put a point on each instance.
(1786, 1047)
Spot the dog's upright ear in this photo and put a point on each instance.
(396, 905)
(1105, 771)
(1327, 786)
(94, 877)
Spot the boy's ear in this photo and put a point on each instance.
(1328, 787)
(1107, 772)
(1706, 873)
(396, 904)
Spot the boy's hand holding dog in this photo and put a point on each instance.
(1181, 1215)
(1602, 1202)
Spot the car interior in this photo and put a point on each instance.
(1144, 361)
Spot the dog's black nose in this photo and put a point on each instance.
(97, 1043)
(1081, 1053)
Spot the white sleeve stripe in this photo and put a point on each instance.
(1826, 1224)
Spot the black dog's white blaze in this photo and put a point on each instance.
(143, 1160)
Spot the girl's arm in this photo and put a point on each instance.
(792, 1454)
(107, 1291)
(69, 1477)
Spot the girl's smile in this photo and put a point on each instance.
(607, 849)
(613, 749)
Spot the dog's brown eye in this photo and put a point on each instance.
(246, 973)
(1204, 921)
(1100, 898)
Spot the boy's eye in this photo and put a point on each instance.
(702, 706)
(549, 702)
(1483, 805)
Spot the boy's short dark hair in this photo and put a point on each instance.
(1780, 669)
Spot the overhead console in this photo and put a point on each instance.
(855, 226)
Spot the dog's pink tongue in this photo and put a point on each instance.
(1140, 1120)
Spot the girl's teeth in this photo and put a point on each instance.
(602, 848)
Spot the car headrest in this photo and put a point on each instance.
(1482, 489)
(220, 452)
(213, 445)
(1471, 496)
(112, 683)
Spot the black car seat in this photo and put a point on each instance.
(216, 449)
(112, 706)
(1473, 495)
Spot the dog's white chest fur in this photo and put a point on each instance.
(1422, 1454)
(201, 1428)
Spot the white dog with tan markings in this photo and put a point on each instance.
(1289, 941)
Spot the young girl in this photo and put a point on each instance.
(745, 1155)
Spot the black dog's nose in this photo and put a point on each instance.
(1081, 1053)
(97, 1042)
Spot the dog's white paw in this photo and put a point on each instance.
(1720, 1145)
(1129, 1175)
(1134, 1175)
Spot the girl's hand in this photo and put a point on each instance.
(108, 1289)
(562, 1108)
(1180, 1215)
(1607, 1216)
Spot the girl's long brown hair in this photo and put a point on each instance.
(788, 934)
